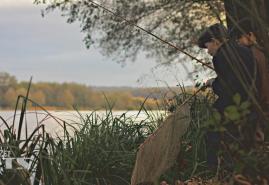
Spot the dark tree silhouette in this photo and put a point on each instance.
(178, 22)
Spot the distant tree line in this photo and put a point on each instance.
(70, 95)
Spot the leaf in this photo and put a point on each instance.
(232, 113)
(245, 112)
(237, 99)
(222, 129)
(217, 116)
(245, 105)
(230, 108)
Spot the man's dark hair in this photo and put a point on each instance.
(215, 31)
(244, 26)
(145, 183)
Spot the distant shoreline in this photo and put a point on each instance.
(66, 109)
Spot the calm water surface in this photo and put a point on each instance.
(54, 119)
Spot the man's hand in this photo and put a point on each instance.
(209, 82)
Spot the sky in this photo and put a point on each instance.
(51, 50)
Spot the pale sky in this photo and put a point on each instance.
(49, 49)
(16, 3)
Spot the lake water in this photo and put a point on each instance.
(53, 119)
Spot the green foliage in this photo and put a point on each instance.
(238, 111)
(101, 151)
(248, 157)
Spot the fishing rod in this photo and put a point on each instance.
(153, 35)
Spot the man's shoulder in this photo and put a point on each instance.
(234, 49)
(237, 47)
(231, 52)
(227, 49)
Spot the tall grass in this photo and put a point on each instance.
(191, 161)
(101, 151)
(29, 147)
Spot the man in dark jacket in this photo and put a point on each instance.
(233, 64)
(235, 69)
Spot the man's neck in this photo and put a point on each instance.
(220, 45)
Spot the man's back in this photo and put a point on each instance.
(235, 68)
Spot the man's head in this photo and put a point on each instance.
(244, 32)
(212, 38)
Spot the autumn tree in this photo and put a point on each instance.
(9, 98)
(6, 81)
(39, 97)
(65, 98)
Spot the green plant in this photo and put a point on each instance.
(101, 151)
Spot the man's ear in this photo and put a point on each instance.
(216, 41)
(250, 34)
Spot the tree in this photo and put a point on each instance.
(21, 91)
(66, 99)
(7, 80)
(39, 97)
(10, 98)
(178, 22)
